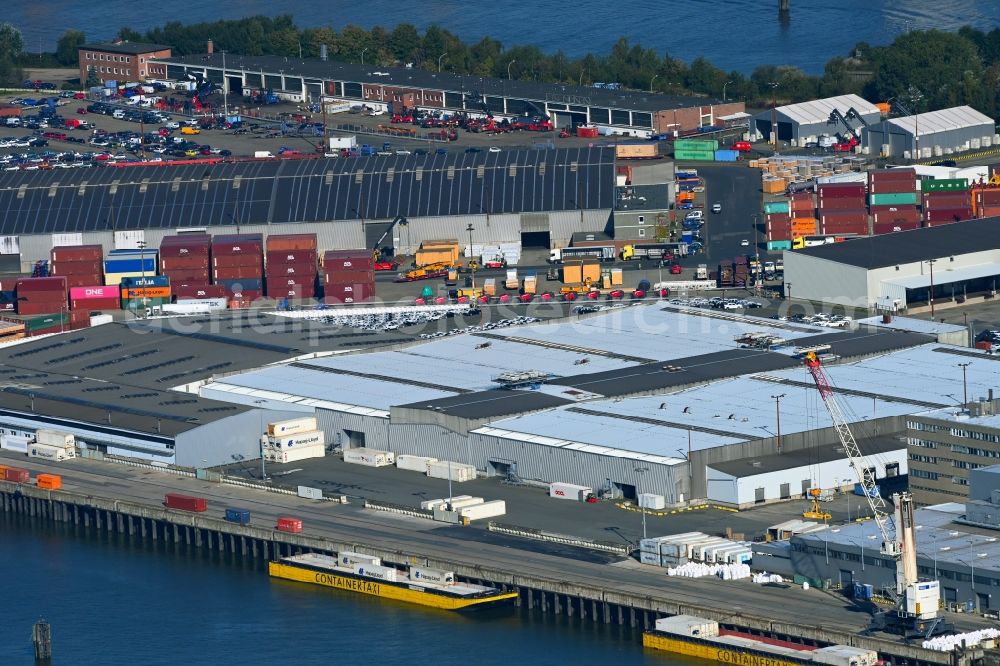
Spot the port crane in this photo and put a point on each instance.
(916, 602)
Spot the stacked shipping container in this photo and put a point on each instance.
(238, 266)
(986, 201)
(947, 201)
(291, 266)
(36, 296)
(119, 264)
(185, 259)
(842, 209)
(893, 199)
(97, 297)
(349, 276)
(81, 265)
(145, 292)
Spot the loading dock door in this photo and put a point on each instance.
(355, 439)
(565, 119)
(502, 467)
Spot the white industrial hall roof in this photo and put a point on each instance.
(958, 117)
(818, 110)
(949, 276)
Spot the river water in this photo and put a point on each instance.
(732, 34)
(112, 600)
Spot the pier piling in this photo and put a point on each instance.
(41, 637)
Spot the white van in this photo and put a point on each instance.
(118, 113)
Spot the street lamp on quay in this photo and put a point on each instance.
(655, 76)
(260, 414)
(642, 507)
(965, 384)
(439, 60)
(724, 91)
(363, 54)
(508, 67)
(777, 412)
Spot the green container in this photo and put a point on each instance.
(944, 185)
(773, 207)
(893, 199)
(38, 322)
(696, 144)
(779, 245)
(138, 303)
(695, 155)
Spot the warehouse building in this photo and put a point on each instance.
(682, 413)
(932, 134)
(541, 197)
(122, 60)
(799, 124)
(897, 272)
(609, 108)
(965, 559)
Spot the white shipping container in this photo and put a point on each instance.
(432, 575)
(414, 463)
(652, 501)
(368, 457)
(299, 440)
(489, 509)
(691, 546)
(652, 544)
(649, 558)
(349, 559)
(569, 491)
(667, 561)
(291, 426)
(212, 303)
(688, 625)
(456, 504)
(296, 454)
(459, 472)
(428, 505)
(49, 452)
(698, 552)
(718, 553)
(97, 320)
(14, 443)
(388, 574)
(55, 438)
(844, 655)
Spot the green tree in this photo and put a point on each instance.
(92, 79)
(67, 49)
(404, 43)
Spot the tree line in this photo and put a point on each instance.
(919, 70)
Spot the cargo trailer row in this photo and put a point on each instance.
(679, 549)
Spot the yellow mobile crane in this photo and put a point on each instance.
(916, 601)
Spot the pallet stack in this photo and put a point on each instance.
(291, 266)
(81, 265)
(349, 276)
(238, 266)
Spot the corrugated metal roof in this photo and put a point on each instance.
(932, 122)
(309, 190)
(913, 324)
(556, 442)
(818, 110)
(942, 277)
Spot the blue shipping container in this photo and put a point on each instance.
(130, 266)
(241, 516)
(246, 284)
(148, 281)
(726, 155)
(859, 491)
(128, 252)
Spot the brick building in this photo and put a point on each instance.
(123, 61)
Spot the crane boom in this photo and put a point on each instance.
(861, 467)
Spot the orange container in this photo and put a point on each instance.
(145, 292)
(286, 242)
(49, 481)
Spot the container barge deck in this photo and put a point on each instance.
(697, 637)
(366, 575)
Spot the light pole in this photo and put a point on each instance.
(225, 85)
(142, 268)
(363, 54)
(930, 296)
(260, 420)
(724, 91)
(942, 549)
(774, 113)
(439, 60)
(472, 257)
(777, 412)
(642, 507)
(508, 67)
(965, 384)
(651, 82)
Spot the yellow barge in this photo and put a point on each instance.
(697, 637)
(364, 574)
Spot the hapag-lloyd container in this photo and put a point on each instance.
(433, 575)
(291, 426)
(301, 439)
(369, 457)
(388, 574)
(93, 292)
(349, 559)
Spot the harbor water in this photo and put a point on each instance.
(732, 34)
(114, 600)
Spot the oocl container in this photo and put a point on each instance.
(185, 502)
(569, 491)
(289, 524)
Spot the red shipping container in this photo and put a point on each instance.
(841, 190)
(82, 280)
(893, 227)
(987, 197)
(283, 242)
(40, 284)
(277, 287)
(291, 257)
(288, 524)
(186, 262)
(778, 217)
(948, 215)
(238, 244)
(237, 273)
(885, 175)
(76, 267)
(779, 235)
(358, 292)
(96, 304)
(234, 260)
(946, 200)
(279, 270)
(16, 475)
(248, 295)
(293, 291)
(199, 291)
(843, 216)
(185, 502)
(184, 244)
(24, 307)
(905, 215)
(79, 325)
(348, 260)
(842, 203)
(349, 278)
(68, 253)
(185, 251)
(804, 206)
(989, 211)
(836, 229)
